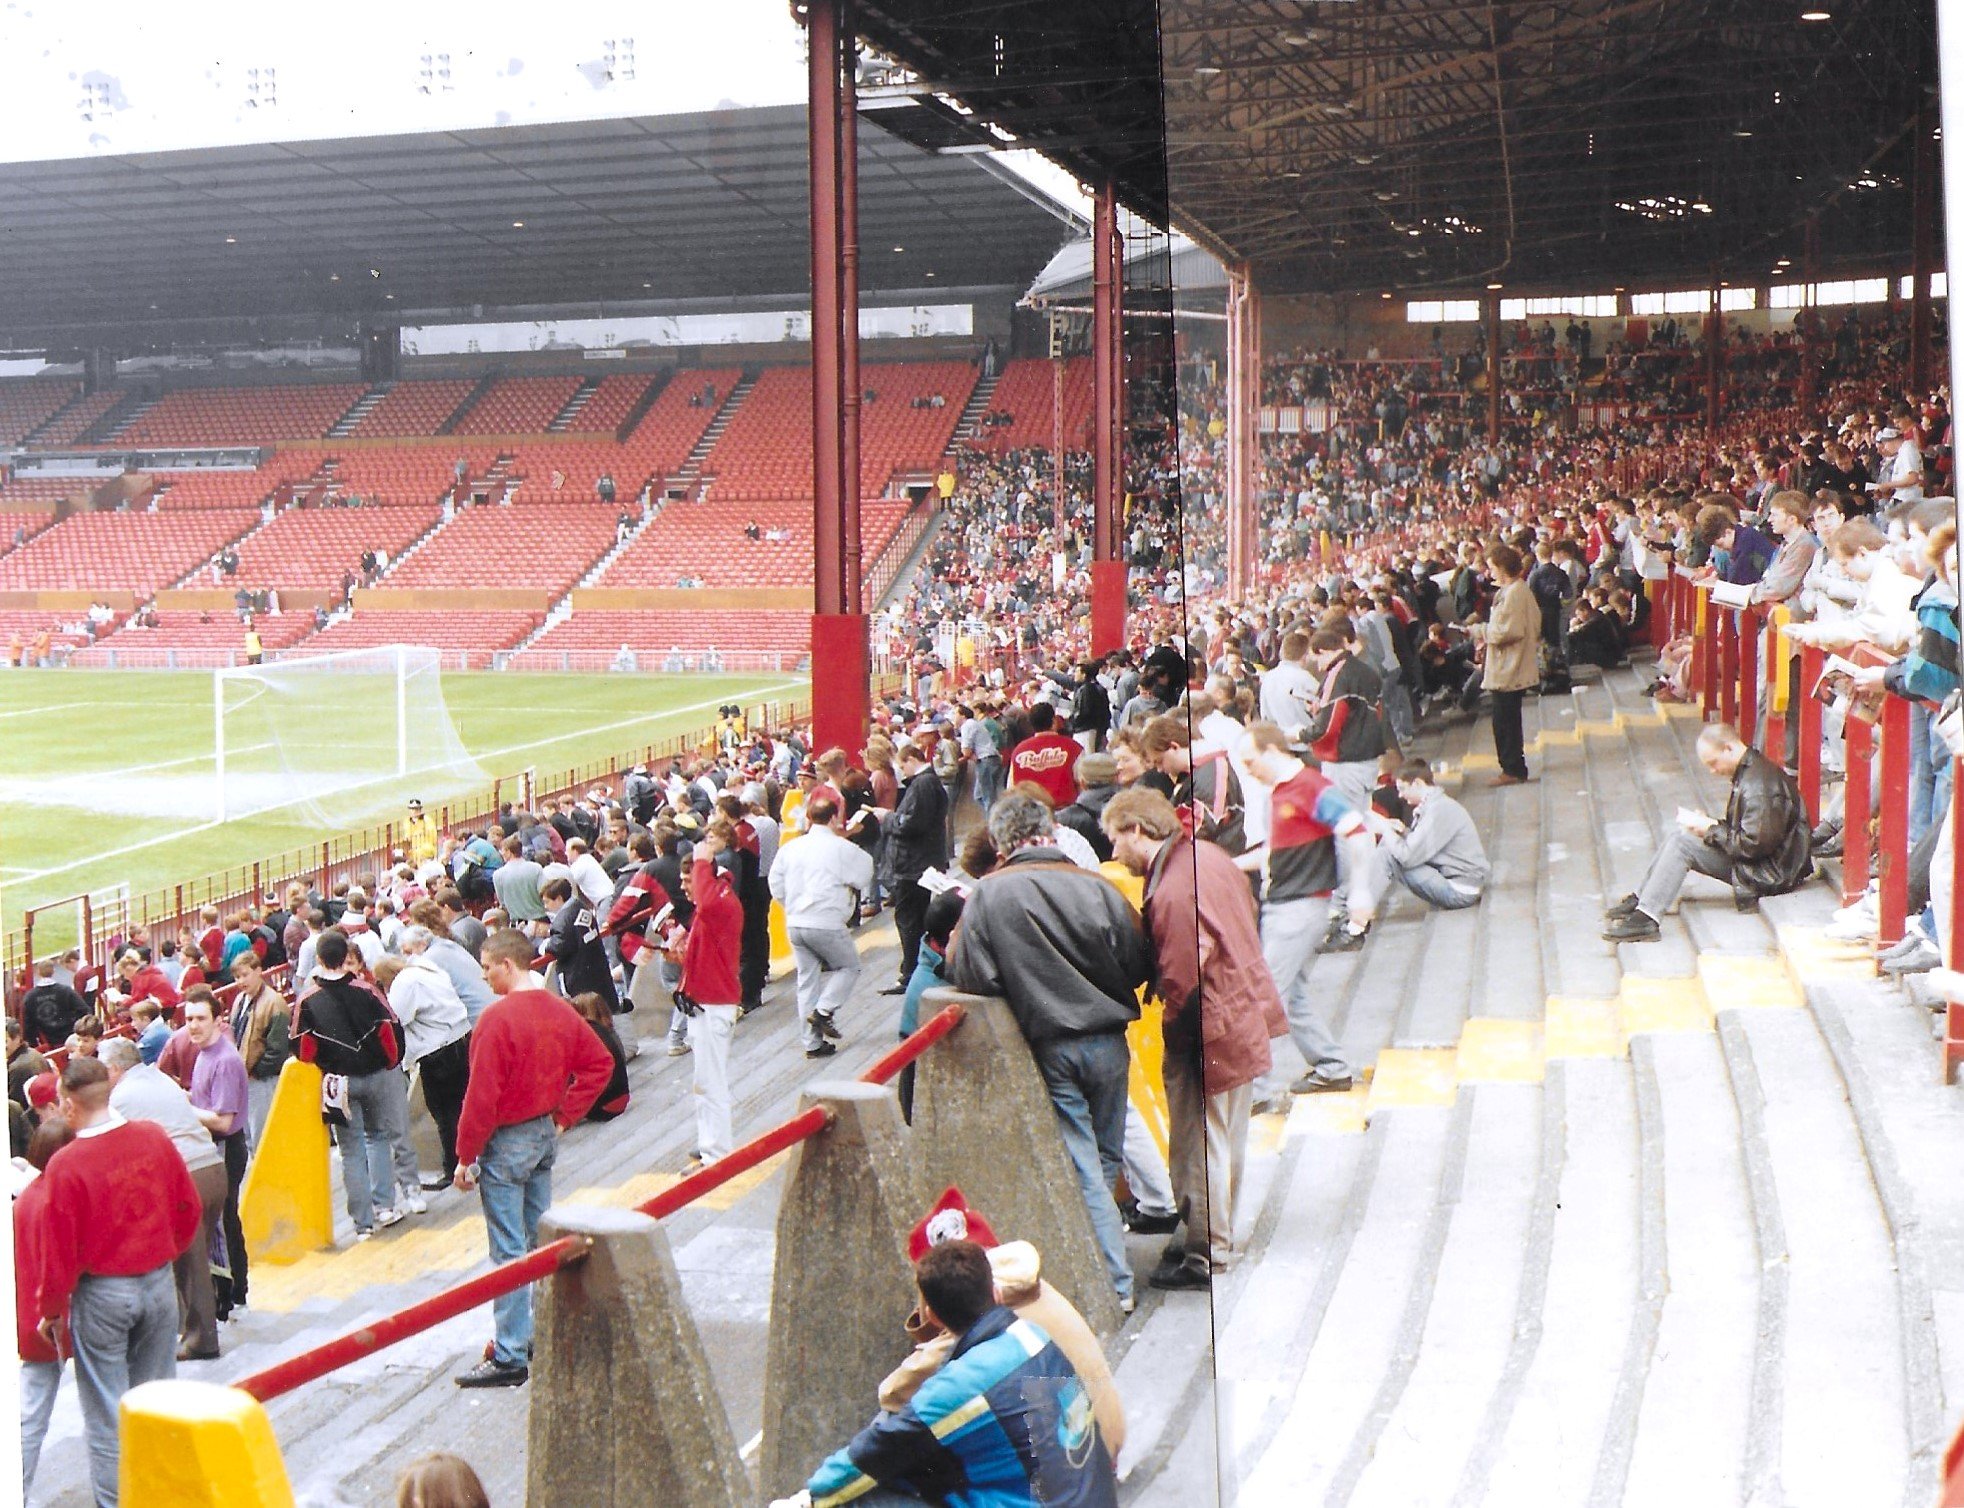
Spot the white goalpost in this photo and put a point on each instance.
(326, 735)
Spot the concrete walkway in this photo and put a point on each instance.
(1672, 1224)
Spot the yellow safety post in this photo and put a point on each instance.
(1146, 1087)
(199, 1445)
(1781, 651)
(780, 938)
(285, 1207)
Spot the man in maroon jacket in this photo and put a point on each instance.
(536, 1069)
(119, 1208)
(1207, 956)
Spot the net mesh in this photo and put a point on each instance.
(332, 738)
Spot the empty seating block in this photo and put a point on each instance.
(210, 635)
(309, 549)
(766, 451)
(676, 420)
(404, 477)
(121, 552)
(413, 408)
(478, 634)
(595, 635)
(706, 542)
(1026, 391)
(80, 419)
(178, 491)
(518, 406)
(548, 547)
(26, 405)
(609, 404)
(43, 492)
(243, 415)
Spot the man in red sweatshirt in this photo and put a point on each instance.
(712, 986)
(120, 1207)
(536, 1069)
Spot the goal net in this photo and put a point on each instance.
(332, 738)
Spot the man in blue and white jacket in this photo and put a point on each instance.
(1006, 1423)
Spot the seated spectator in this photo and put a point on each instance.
(1438, 855)
(598, 1015)
(1759, 847)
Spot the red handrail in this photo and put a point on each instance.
(508, 1277)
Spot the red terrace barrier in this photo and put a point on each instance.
(1858, 740)
(1809, 713)
(1892, 835)
(509, 1277)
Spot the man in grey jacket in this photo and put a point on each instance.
(1439, 858)
(1065, 948)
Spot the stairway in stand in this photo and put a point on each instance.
(688, 479)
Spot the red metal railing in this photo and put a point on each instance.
(508, 1277)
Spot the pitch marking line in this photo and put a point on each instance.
(540, 743)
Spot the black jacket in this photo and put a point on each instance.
(346, 1028)
(1061, 944)
(1091, 708)
(1354, 711)
(1764, 830)
(49, 1013)
(1085, 817)
(917, 832)
(575, 943)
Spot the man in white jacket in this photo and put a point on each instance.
(820, 880)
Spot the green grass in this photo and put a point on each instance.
(111, 736)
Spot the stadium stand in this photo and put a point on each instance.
(591, 638)
(680, 416)
(310, 548)
(472, 636)
(1025, 396)
(548, 547)
(706, 543)
(72, 423)
(413, 408)
(34, 493)
(766, 451)
(26, 405)
(179, 491)
(198, 636)
(122, 552)
(518, 406)
(607, 408)
(241, 415)
(415, 475)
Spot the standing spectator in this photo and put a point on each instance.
(218, 1094)
(916, 841)
(1046, 757)
(575, 944)
(426, 937)
(263, 1028)
(1512, 632)
(142, 1092)
(1091, 709)
(1066, 950)
(819, 880)
(711, 987)
(120, 1208)
(981, 743)
(347, 1031)
(436, 1040)
(50, 1009)
(23, 1063)
(535, 1069)
(1221, 1011)
(464, 929)
(40, 1361)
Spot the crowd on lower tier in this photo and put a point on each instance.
(1047, 826)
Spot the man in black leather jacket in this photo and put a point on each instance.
(1759, 847)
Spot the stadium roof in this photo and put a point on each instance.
(616, 216)
(1420, 144)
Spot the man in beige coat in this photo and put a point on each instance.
(1513, 629)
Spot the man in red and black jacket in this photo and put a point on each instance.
(712, 988)
(119, 1208)
(536, 1069)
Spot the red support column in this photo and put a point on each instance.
(1858, 742)
(1954, 1011)
(1108, 399)
(848, 147)
(1809, 319)
(1809, 713)
(1057, 441)
(1709, 666)
(1893, 837)
(1493, 368)
(1243, 395)
(1729, 634)
(1748, 673)
(1923, 231)
(1714, 361)
(839, 659)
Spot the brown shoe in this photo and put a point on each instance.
(1508, 780)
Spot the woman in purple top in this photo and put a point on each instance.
(218, 1094)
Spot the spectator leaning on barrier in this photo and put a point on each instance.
(120, 1209)
(436, 1031)
(427, 937)
(1221, 1011)
(535, 1069)
(1067, 951)
(1006, 1421)
(1759, 847)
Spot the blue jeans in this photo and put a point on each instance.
(1290, 932)
(988, 781)
(515, 1185)
(39, 1382)
(1087, 1077)
(378, 1119)
(1428, 884)
(125, 1333)
(1929, 772)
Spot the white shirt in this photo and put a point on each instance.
(590, 878)
(428, 1006)
(1288, 696)
(815, 877)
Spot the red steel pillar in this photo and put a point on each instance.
(1923, 231)
(849, 302)
(1714, 361)
(1243, 421)
(840, 691)
(1057, 440)
(1108, 425)
(1493, 368)
(1809, 319)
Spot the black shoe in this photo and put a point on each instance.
(894, 989)
(1152, 1225)
(1636, 927)
(434, 1185)
(1309, 1083)
(1344, 941)
(1622, 908)
(494, 1374)
(1181, 1277)
(827, 1027)
(823, 1050)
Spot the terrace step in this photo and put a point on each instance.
(689, 478)
(363, 406)
(569, 411)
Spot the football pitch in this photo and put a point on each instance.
(79, 750)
